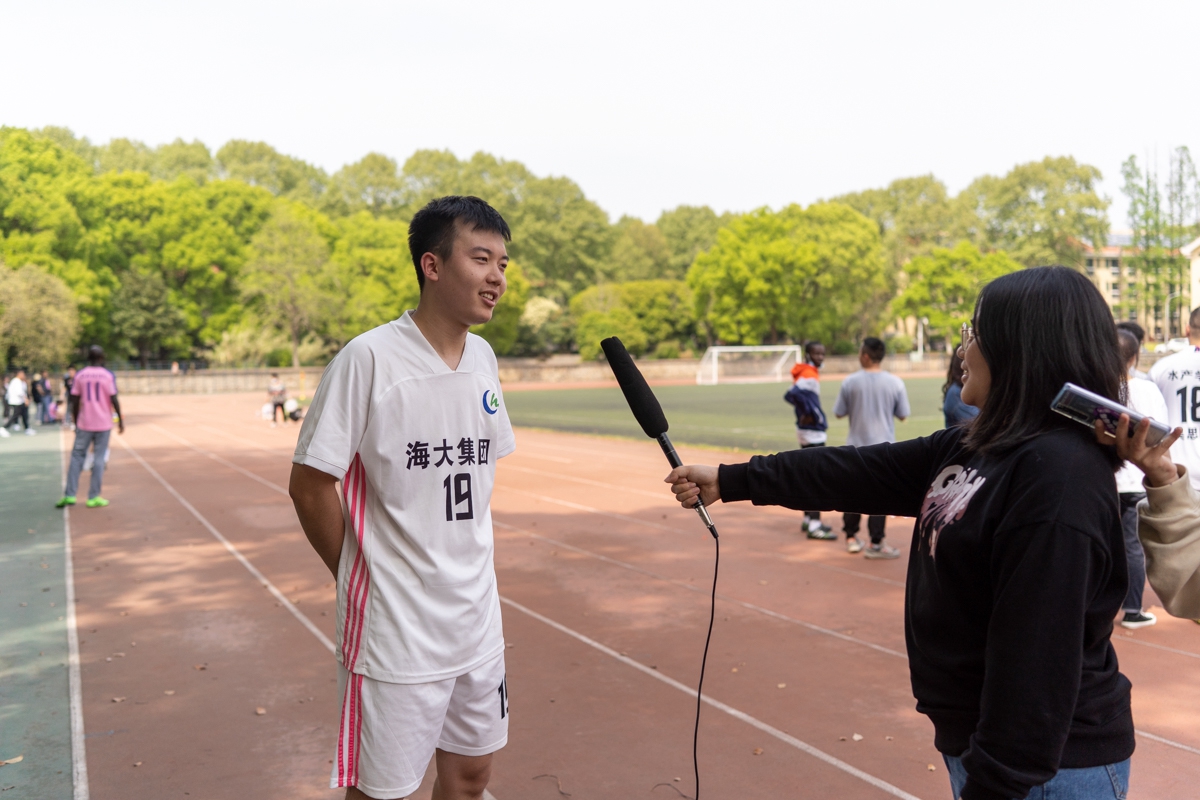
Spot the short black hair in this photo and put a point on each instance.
(1194, 319)
(874, 348)
(1037, 329)
(432, 229)
(1128, 343)
(808, 346)
(1134, 328)
(95, 354)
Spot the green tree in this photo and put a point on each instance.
(1040, 213)
(145, 321)
(798, 273)
(125, 155)
(260, 164)
(914, 215)
(639, 253)
(287, 281)
(560, 237)
(689, 231)
(504, 327)
(38, 319)
(370, 184)
(374, 273)
(660, 310)
(945, 284)
(180, 158)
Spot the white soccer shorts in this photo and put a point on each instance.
(388, 731)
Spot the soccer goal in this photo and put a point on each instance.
(747, 364)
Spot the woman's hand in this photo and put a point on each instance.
(692, 482)
(1154, 461)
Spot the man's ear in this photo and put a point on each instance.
(431, 265)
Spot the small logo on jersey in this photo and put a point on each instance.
(491, 403)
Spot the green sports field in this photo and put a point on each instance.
(742, 416)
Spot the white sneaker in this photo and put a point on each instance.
(30, 432)
(4, 434)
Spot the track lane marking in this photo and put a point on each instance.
(750, 606)
(245, 562)
(269, 484)
(820, 755)
(329, 645)
(636, 521)
(79, 772)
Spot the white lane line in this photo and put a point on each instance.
(269, 484)
(590, 510)
(325, 640)
(245, 562)
(662, 496)
(262, 579)
(79, 773)
(636, 521)
(1169, 742)
(750, 606)
(717, 704)
(1176, 651)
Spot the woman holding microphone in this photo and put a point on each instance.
(1017, 563)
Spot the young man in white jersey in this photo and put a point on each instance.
(410, 418)
(1178, 378)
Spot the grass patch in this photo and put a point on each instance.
(741, 416)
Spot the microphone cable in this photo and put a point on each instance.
(712, 615)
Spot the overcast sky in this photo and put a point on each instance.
(645, 104)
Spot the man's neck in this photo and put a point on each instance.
(872, 367)
(447, 337)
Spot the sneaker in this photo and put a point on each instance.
(97, 502)
(854, 545)
(1138, 619)
(30, 432)
(823, 533)
(881, 550)
(4, 434)
(66, 501)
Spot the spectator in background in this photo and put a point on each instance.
(36, 393)
(1178, 378)
(1140, 333)
(1144, 398)
(93, 401)
(47, 416)
(17, 398)
(872, 398)
(811, 425)
(68, 380)
(277, 392)
(955, 411)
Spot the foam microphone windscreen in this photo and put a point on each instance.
(642, 401)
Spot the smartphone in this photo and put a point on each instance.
(1086, 407)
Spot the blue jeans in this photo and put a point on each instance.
(1089, 783)
(98, 440)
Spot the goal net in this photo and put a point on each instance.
(746, 364)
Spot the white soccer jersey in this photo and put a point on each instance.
(1178, 378)
(415, 445)
(1146, 399)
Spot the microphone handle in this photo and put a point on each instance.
(668, 449)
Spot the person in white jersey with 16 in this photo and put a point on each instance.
(410, 418)
(1178, 378)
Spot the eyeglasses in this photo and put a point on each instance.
(968, 336)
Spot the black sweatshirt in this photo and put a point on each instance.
(1016, 571)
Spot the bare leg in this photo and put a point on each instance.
(461, 777)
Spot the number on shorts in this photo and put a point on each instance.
(503, 697)
(461, 493)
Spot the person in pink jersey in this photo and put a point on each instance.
(93, 401)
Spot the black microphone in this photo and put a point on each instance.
(646, 409)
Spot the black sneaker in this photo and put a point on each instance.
(1138, 619)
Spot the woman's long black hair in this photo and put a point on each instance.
(1037, 329)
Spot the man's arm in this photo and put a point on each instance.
(73, 403)
(314, 494)
(116, 404)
